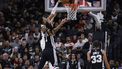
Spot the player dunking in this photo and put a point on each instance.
(96, 56)
(48, 52)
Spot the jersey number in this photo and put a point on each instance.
(96, 59)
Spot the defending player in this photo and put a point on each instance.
(48, 53)
(96, 56)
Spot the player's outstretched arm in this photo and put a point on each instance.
(54, 30)
(60, 25)
(105, 60)
(50, 18)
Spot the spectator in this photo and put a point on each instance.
(80, 61)
(14, 54)
(31, 67)
(36, 34)
(79, 45)
(112, 64)
(120, 66)
(6, 63)
(62, 56)
(72, 62)
(74, 38)
(16, 63)
(30, 39)
(2, 19)
(26, 64)
(58, 43)
(22, 47)
(80, 24)
(37, 51)
(7, 48)
(69, 45)
(20, 63)
(35, 43)
(26, 53)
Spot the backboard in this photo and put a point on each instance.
(96, 5)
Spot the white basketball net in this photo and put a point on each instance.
(71, 14)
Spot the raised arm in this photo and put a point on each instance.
(52, 31)
(50, 18)
(105, 60)
(97, 19)
(60, 25)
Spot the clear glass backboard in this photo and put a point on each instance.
(96, 5)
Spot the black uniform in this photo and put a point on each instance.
(96, 59)
(47, 54)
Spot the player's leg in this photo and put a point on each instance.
(42, 61)
(51, 57)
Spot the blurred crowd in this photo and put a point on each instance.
(20, 35)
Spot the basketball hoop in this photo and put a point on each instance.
(71, 11)
(72, 8)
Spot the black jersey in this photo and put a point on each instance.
(96, 59)
(48, 43)
(49, 39)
